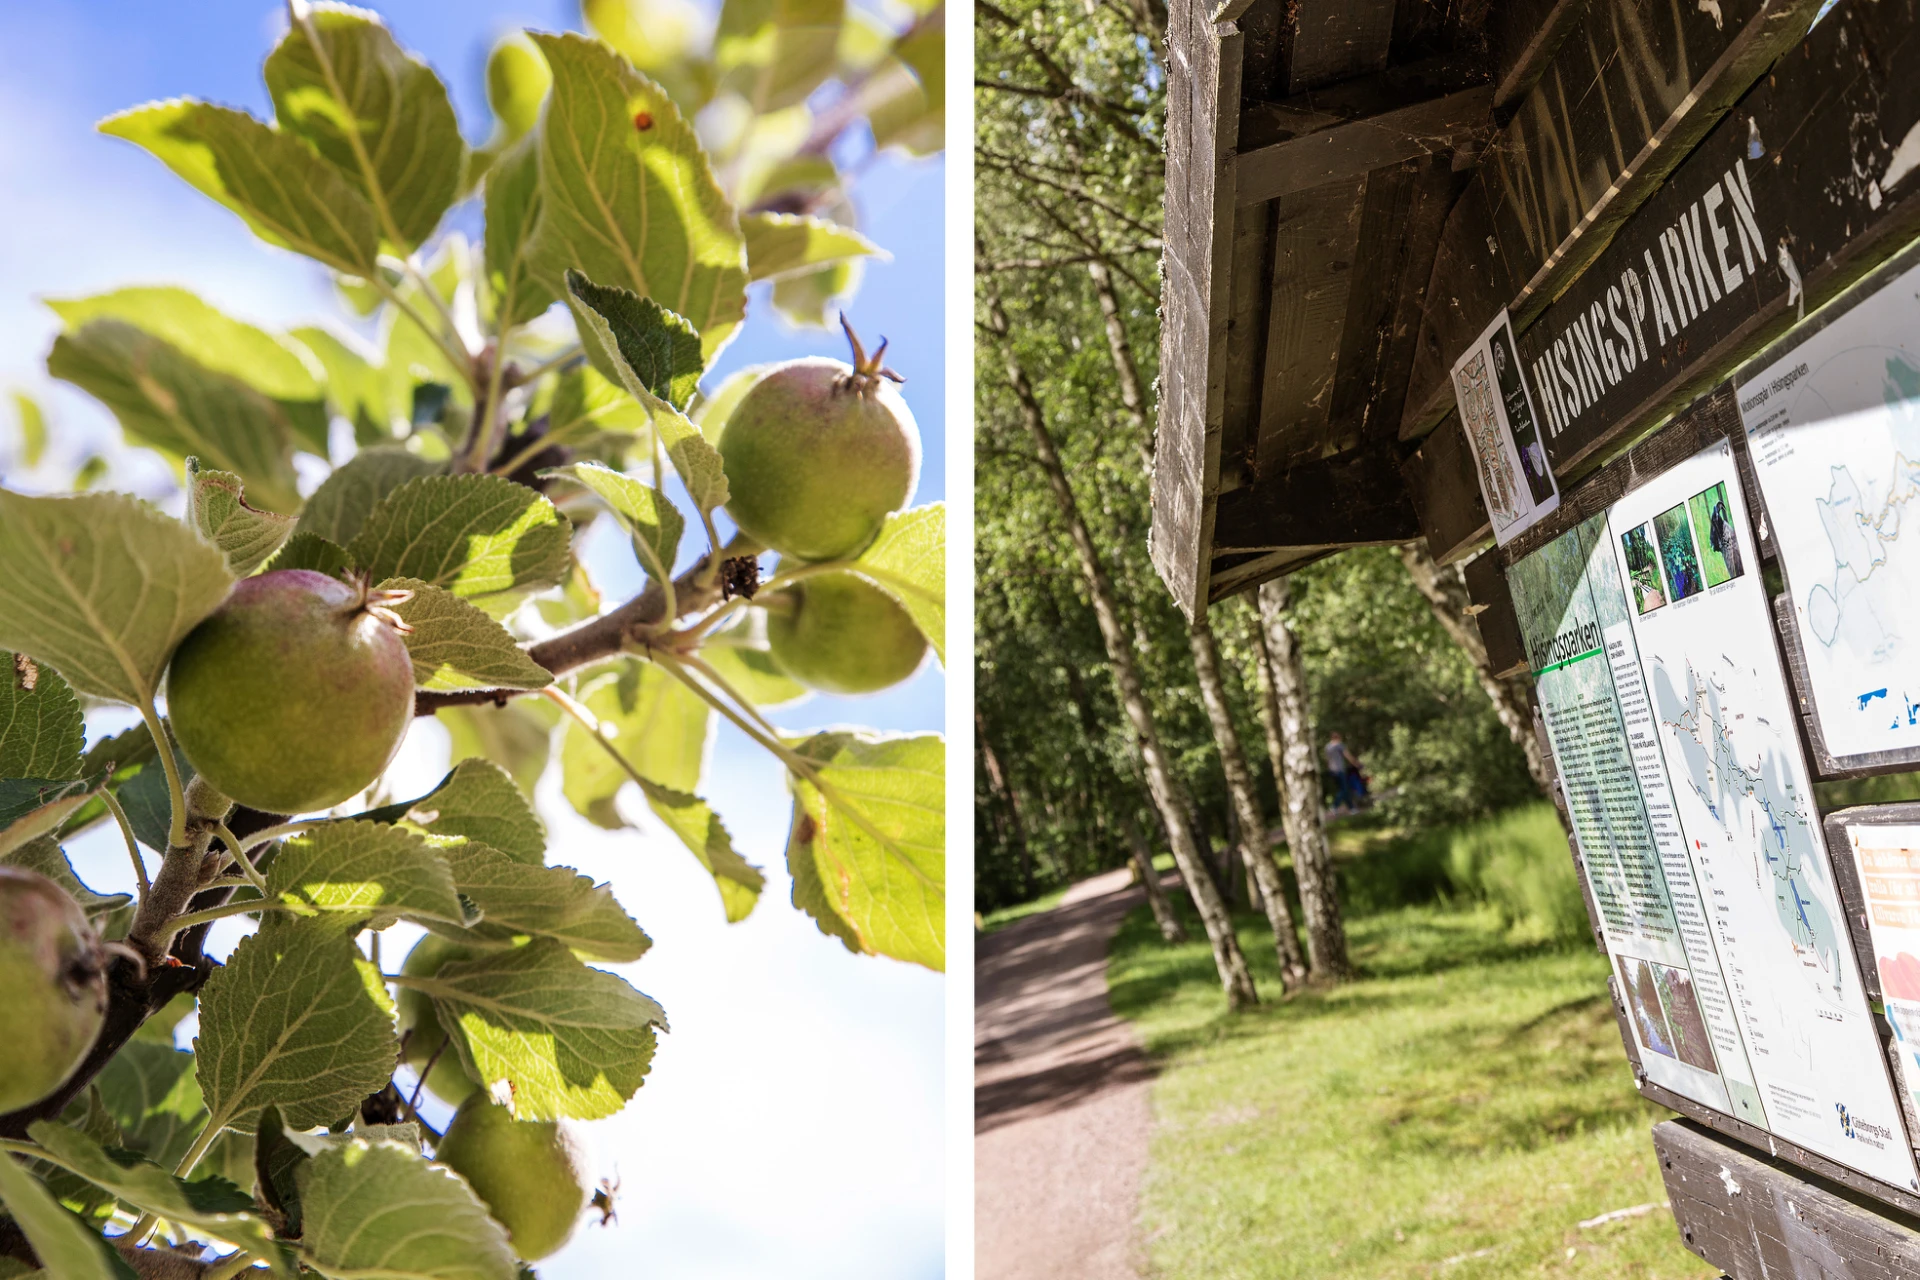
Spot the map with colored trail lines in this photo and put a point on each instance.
(1755, 806)
(1833, 429)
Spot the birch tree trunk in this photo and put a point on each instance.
(1171, 930)
(1295, 765)
(1261, 871)
(1446, 593)
(1164, 785)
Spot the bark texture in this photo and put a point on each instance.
(1162, 782)
(1262, 874)
(1446, 593)
(1295, 764)
(1170, 927)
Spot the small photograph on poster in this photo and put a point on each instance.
(1714, 534)
(1522, 430)
(1643, 999)
(1502, 429)
(1643, 565)
(1675, 540)
(1684, 1018)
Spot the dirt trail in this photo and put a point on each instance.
(1061, 1114)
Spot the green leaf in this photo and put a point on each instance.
(805, 297)
(479, 536)
(355, 388)
(41, 728)
(360, 871)
(270, 364)
(88, 1115)
(654, 722)
(102, 586)
(700, 829)
(632, 206)
(517, 737)
(655, 351)
(784, 244)
(380, 1211)
(296, 1018)
(517, 82)
(478, 801)
(649, 351)
(513, 211)
(739, 655)
(150, 1090)
(654, 523)
(217, 507)
(455, 646)
(908, 561)
(67, 1248)
(216, 1208)
(149, 804)
(346, 498)
(45, 856)
(379, 116)
(286, 193)
(585, 401)
(774, 53)
(554, 902)
(310, 551)
(904, 100)
(569, 1040)
(33, 429)
(810, 891)
(876, 838)
(168, 401)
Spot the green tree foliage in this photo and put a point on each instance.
(522, 388)
(1069, 159)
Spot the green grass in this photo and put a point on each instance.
(1455, 1112)
(1005, 916)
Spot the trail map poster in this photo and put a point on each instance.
(1887, 859)
(1834, 431)
(1722, 717)
(1573, 616)
(1503, 429)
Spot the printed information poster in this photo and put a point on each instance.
(1574, 616)
(1723, 721)
(1503, 429)
(1834, 430)
(1888, 860)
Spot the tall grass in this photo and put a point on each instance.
(1518, 863)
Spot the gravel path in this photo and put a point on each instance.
(1061, 1114)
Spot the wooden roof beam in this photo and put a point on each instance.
(1354, 148)
(1353, 501)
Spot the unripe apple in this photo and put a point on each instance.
(818, 453)
(838, 634)
(420, 1023)
(295, 693)
(531, 1174)
(53, 971)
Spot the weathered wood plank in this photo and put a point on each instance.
(1235, 574)
(1754, 1216)
(1353, 148)
(1486, 582)
(1252, 267)
(1316, 235)
(1336, 40)
(1445, 489)
(1353, 501)
(1203, 112)
(1526, 34)
(1624, 99)
(1810, 167)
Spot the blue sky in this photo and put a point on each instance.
(792, 1123)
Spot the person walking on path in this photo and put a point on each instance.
(1346, 774)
